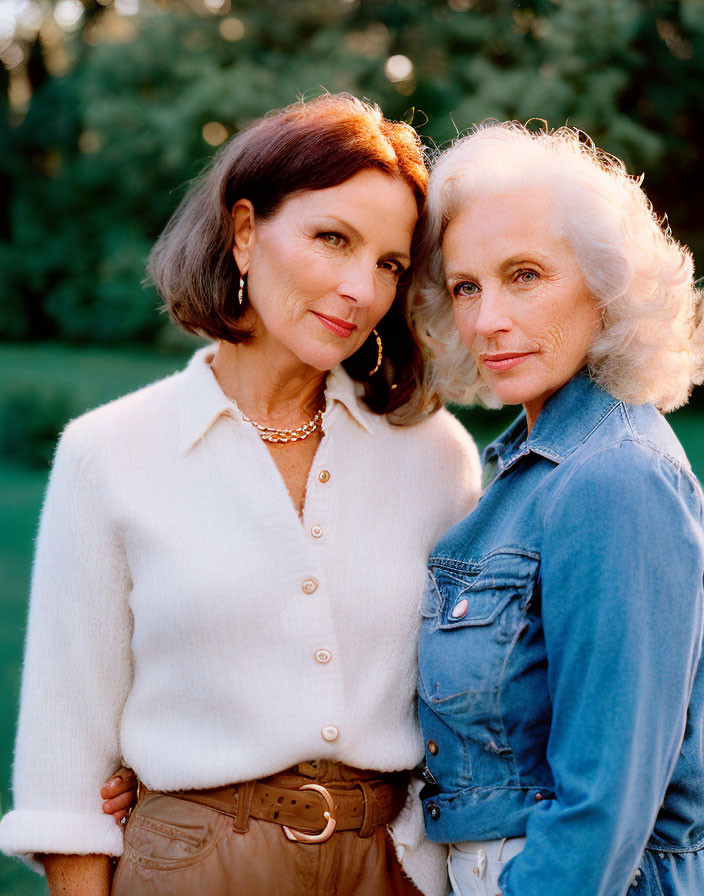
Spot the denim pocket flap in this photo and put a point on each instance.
(477, 595)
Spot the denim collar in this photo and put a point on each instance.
(203, 402)
(568, 417)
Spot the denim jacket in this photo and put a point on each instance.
(561, 687)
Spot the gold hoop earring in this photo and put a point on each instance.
(240, 294)
(380, 353)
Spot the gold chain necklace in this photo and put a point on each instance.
(271, 434)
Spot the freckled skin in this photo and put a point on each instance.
(517, 288)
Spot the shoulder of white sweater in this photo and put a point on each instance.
(442, 457)
(132, 419)
(445, 437)
(445, 426)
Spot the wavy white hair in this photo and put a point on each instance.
(651, 344)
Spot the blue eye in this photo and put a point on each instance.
(465, 290)
(527, 276)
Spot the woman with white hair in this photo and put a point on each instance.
(561, 682)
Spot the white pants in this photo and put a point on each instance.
(475, 865)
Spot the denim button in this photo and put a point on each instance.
(428, 776)
(460, 609)
(433, 811)
(432, 748)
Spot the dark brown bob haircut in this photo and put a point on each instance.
(306, 146)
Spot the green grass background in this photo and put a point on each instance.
(84, 378)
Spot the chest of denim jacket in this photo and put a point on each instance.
(481, 649)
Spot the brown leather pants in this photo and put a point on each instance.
(183, 848)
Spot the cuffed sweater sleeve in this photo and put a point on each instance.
(77, 667)
(621, 604)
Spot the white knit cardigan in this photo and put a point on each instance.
(179, 605)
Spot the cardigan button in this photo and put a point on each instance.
(324, 476)
(316, 531)
(323, 656)
(309, 586)
(330, 733)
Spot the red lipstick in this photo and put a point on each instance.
(337, 326)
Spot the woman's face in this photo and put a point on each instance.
(323, 269)
(521, 304)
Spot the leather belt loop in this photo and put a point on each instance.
(368, 822)
(243, 793)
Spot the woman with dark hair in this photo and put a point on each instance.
(252, 532)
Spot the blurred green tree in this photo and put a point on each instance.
(105, 150)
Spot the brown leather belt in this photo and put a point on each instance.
(310, 811)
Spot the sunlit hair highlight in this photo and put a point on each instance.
(651, 343)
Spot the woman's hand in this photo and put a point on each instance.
(119, 793)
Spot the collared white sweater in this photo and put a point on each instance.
(184, 618)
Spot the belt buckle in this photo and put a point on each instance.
(327, 832)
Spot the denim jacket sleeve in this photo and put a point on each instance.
(621, 574)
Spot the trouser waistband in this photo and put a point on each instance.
(312, 799)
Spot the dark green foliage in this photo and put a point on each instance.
(105, 151)
(44, 386)
(30, 421)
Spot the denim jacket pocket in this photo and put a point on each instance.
(481, 609)
(444, 588)
(476, 594)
